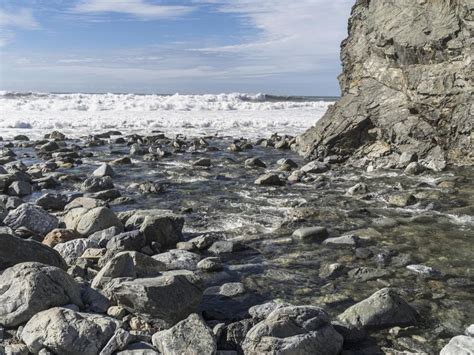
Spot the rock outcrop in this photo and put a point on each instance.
(407, 86)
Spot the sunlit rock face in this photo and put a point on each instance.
(407, 85)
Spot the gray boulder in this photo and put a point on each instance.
(384, 309)
(29, 288)
(15, 250)
(65, 331)
(31, 217)
(165, 230)
(73, 249)
(459, 345)
(134, 240)
(190, 336)
(171, 297)
(97, 219)
(95, 184)
(177, 259)
(311, 233)
(269, 180)
(20, 188)
(294, 330)
(405, 85)
(128, 264)
(104, 170)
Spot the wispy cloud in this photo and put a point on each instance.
(136, 8)
(22, 18)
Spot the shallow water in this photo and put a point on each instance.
(225, 200)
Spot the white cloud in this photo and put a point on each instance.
(23, 18)
(136, 8)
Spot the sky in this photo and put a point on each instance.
(285, 47)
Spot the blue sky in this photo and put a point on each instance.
(195, 46)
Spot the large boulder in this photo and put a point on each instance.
(128, 264)
(384, 309)
(89, 221)
(29, 288)
(170, 298)
(14, 250)
(294, 330)
(190, 336)
(406, 85)
(64, 331)
(73, 249)
(459, 345)
(31, 217)
(162, 229)
(177, 259)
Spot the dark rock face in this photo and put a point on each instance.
(406, 85)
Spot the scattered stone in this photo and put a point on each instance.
(358, 189)
(134, 240)
(425, 271)
(294, 330)
(118, 341)
(402, 199)
(177, 259)
(368, 273)
(15, 250)
(315, 167)
(206, 162)
(29, 288)
(287, 165)
(54, 202)
(225, 247)
(414, 168)
(269, 180)
(190, 336)
(332, 271)
(165, 230)
(210, 264)
(344, 241)
(31, 217)
(170, 298)
(459, 345)
(96, 184)
(255, 163)
(97, 219)
(73, 249)
(128, 264)
(58, 236)
(20, 188)
(64, 331)
(104, 170)
(121, 161)
(384, 309)
(311, 233)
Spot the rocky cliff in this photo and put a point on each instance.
(407, 86)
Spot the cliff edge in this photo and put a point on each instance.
(407, 86)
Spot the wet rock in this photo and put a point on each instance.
(104, 170)
(51, 201)
(49, 147)
(368, 273)
(134, 240)
(402, 199)
(458, 345)
(128, 264)
(102, 237)
(31, 217)
(203, 242)
(73, 249)
(332, 271)
(205, 162)
(97, 219)
(170, 298)
(210, 264)
(121, 161)
(357, 189)
(414, 168)
(20, 188)
(344, 241)
(407, 158)
(58, 236)
(177, 259)
(295, 330)
(384, 309)
(15, 250)
(165, 230)
(191, 335)
(95, 184)
(315, 167)
(117, 342)
(255, 163)
(225, 247)
(311, 233)
(287, 165)
(68, 332)
(269, 180)
(425, 271)
(29, 288)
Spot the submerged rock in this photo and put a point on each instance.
(384, 309)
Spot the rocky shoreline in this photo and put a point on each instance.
(145, 244)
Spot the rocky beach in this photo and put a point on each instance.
(354, 237)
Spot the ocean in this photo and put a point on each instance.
(235, 114)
